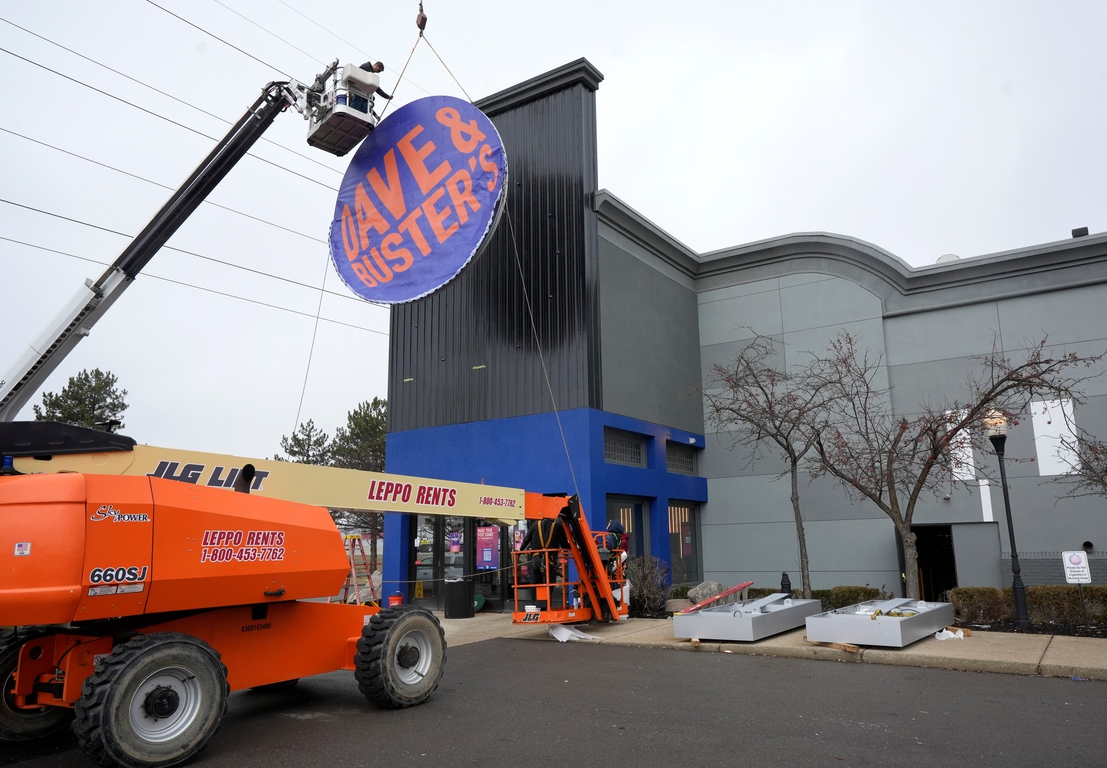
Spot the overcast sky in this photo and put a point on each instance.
(923, 128)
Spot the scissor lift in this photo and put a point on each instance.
(584, 582)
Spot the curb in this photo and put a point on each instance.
(1038, 667)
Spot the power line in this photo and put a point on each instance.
(163, 93)
(268, 32)
(159, 184)
(344, 40)
(201, 288)
(162, 117)
(182, 250)
(209, 34)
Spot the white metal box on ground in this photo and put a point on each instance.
(894, 623)
(746, 621)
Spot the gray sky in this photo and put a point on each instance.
(923, 128)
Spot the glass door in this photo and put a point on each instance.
(632, 513)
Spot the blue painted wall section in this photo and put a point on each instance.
(528, 452)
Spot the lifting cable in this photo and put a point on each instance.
(421, 22)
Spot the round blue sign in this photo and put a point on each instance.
(421, 195)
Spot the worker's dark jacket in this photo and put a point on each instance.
(547, 533)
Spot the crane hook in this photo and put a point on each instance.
(421, 20)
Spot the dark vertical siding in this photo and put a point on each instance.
(481, 318)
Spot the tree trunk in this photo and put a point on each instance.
(805, 573)
(910, 562)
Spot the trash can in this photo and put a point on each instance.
(459, 599)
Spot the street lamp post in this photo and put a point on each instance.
(995, 426)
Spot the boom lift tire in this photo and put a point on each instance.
(24, 724)
(155, 701)
(400, 657)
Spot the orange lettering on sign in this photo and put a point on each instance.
(362, 274)
(349, 234)
(460, 187)
(465, 136)
(416, 161)
(436, 217)
(385, 274)
(367, 216)
(489, 166)
(411, 226)
(403, 254)
(392, 193)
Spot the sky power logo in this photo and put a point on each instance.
(419, 199)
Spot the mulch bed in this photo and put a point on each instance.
(1039, 629)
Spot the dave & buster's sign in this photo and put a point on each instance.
(422, 193)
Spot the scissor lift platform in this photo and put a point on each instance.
(893, 623)
(746, 621)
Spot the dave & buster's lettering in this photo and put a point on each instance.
(420, 195)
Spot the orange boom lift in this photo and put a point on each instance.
(143, 602)
(546, 591)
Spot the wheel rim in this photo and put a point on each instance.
(174, 694)
(414, 656)
(8, 707)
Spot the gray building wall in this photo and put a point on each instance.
(929, 326)
(649, 339)
(748, 518)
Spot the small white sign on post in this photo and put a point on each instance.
(1077, 570)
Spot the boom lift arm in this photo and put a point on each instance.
(333, 126)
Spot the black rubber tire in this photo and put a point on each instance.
(112, 726)
(24, 724)
(387, 672)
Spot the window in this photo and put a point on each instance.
(624, 448)
(680, 458)
(684, 542)
(1053, 436)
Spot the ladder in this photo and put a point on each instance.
(355, 548)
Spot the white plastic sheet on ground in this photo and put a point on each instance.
(564, 634)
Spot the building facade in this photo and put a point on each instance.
(567, 357)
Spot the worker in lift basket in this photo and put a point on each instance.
(360, 103)
(547, 533)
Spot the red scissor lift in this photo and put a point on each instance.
(545, 590)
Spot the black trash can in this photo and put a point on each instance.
(459, 599)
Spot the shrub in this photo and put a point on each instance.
(1060, 604)
(679, 593)
(981, 605)
(1046, 604)
(649, 586)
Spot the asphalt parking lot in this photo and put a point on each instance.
(517, 703)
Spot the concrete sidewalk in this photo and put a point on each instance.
(1049, 655)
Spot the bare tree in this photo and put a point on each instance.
(892, 459)
(1086, 457)
(761, 403)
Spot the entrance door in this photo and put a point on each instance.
(937, 566)
(632, 513)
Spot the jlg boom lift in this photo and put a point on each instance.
(143, 590)
(140, 603)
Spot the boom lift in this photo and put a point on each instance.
(144, 590)
(546, 591)
(139, 603)
(333, 125)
